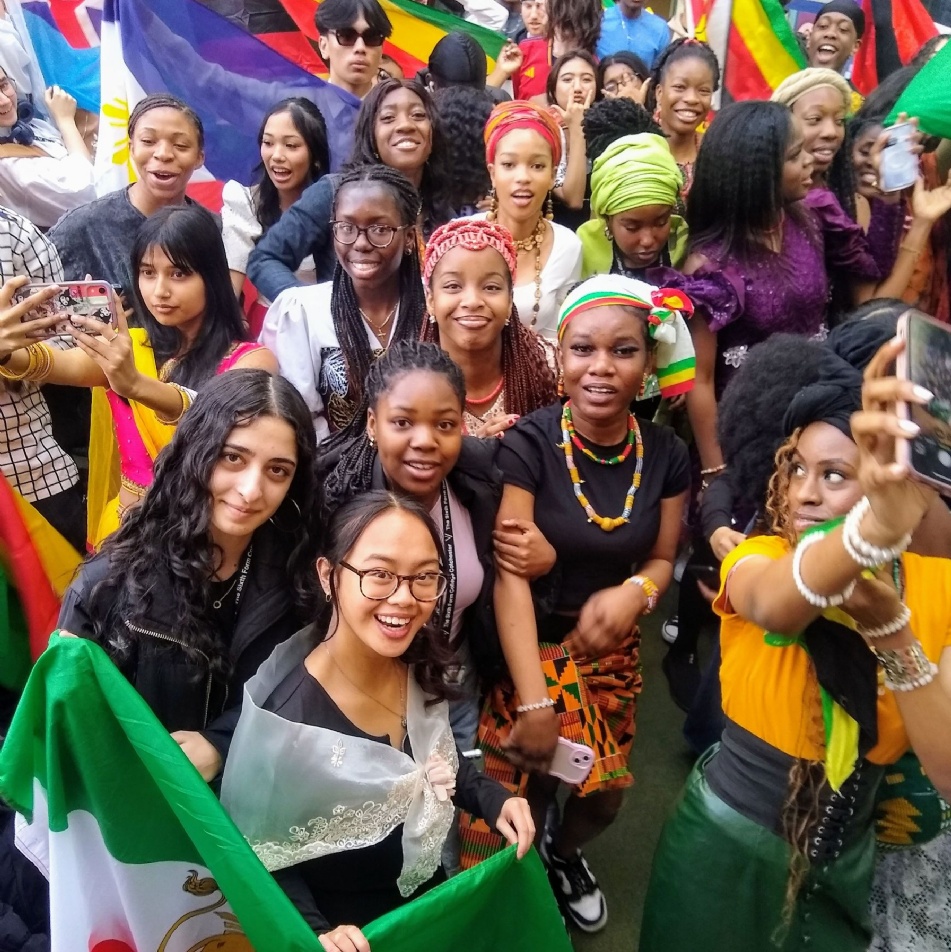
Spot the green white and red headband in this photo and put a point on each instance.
(665, 309)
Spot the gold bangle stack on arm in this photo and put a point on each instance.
(38, 368)
(186, 403)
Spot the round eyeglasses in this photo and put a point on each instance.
(8, 87)
(615, 85)
(380, 236)
(380, 584)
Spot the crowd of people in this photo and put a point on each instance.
(406, 452)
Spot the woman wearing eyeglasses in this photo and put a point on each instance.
(326, 335)
(353, 824)
(621, 76)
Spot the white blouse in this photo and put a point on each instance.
(299, 330)
(561, 272)
(240, 231)
(43, 188)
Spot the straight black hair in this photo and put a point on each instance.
(560, 64)
(190, 237)
(339, 14)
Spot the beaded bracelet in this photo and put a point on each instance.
(535, 706)
(906, 668)
(860, 549)
(889, 628)
(814, 598)
(650, 589)
(713, 470)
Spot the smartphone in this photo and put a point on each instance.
(709, 575)
(91, 299)
(899, 165)
(926, 360)
(572, 762)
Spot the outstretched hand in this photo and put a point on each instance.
(15, 332)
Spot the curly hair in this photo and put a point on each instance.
(750, 412)
(576, 20)
(552, 82)
(429, 652)
(682, 49)
(309, 123)
(737, 193)
(609, 119)
(345, 465)
(463, 112)
(344, 304)
(166, 539)
(191, 239)
(434, 187)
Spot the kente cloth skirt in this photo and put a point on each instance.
(719, 882)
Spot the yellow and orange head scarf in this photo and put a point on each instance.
(508, 116)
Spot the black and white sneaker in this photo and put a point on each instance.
(576, 889)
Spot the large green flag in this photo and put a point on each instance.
(927, 96)
(141, 856)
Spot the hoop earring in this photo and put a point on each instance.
(493, 211)
(549, 208)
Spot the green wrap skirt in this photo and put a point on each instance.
(719, 882)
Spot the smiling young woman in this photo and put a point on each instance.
(605, 491)
(326, 335)
(509, 370)
(361, 700)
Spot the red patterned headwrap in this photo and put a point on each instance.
(473, 235)
(521, 115)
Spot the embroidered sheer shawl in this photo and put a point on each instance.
(300, 791)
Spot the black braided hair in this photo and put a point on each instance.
(609, 119)
(166, 101)
(681, 49)
(344, 306)
(345, 463)
(841, 175)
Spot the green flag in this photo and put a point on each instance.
(927, 96)
(141, 855)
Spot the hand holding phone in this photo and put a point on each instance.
(92, 300)
(898, 166)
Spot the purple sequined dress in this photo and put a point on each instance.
(744, 302)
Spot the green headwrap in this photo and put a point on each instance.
(632, 172)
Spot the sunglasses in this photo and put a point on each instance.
(349, 36)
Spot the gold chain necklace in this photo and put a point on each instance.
(399, 683)
(534, 243)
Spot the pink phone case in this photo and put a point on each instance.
(905, 449)
(89, 299)
(572, 762)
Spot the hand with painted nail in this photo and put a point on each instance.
(898, 501)
(496, 425)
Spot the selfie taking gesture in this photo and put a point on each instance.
(19, 327)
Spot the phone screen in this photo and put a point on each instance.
(929, 364)
(899, 165)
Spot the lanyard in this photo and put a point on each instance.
(239, 585)
(449, 598)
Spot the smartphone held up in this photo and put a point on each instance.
(926, 361)
(93, 300)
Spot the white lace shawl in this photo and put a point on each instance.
(299, 791)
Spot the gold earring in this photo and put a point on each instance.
(371, 439)
(561, 384)
(549, 208)
(492, 213)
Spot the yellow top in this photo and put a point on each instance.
(772, 690)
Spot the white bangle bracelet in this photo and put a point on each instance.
(814, 598)
(860, 549)
(889, 628)
(536, 706)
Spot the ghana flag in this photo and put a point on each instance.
(140, 854)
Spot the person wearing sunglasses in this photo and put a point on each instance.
(351, 42)
(326, 335)
(352, 823)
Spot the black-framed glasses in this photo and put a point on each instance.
(380, 584)
(625, 79)
(348, 36)
(380, 236)
(8, 87)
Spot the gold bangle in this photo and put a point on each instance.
(38, 367)
(186, 403)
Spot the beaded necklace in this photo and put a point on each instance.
(481, 401)
(632, 430)
(534, 243)
(602, 522)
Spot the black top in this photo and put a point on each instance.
(590, 559)
(354, 887)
